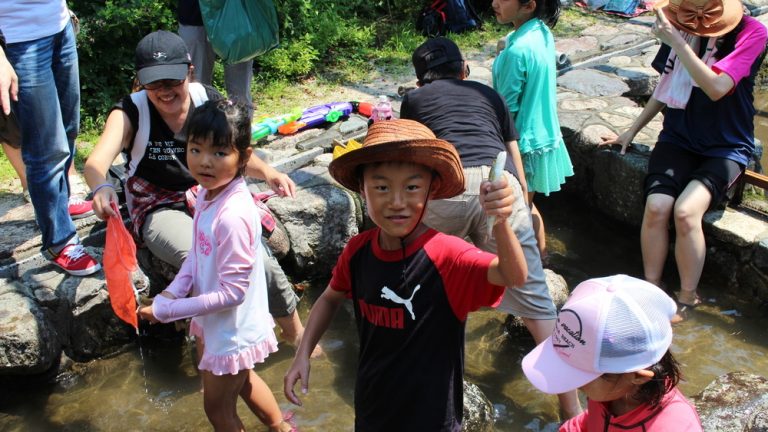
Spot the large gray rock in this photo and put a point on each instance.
(319, 222)
(618, 185)
(735, 402)
(641, 80)
(29, 343)
(95, 329)
(80, 310)
(478, 410)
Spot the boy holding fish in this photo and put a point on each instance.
(411, 287)
(475, 119)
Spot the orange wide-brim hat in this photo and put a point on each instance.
(402, 141)
(708, 18)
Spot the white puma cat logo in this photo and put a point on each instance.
(391, 295)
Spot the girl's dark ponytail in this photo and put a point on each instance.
(546, 10)
(550, 13)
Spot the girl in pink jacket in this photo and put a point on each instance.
(221, 284)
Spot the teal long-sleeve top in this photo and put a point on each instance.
(524, 73)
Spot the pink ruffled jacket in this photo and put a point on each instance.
(224, 278)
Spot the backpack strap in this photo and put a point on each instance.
(198, 94)
(141, 137)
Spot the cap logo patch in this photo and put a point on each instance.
(159, 55)
(567, 332)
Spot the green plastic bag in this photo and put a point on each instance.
(240, 30)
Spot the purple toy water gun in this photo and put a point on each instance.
(317, 116)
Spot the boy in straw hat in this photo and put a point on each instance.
(611, 341)
(412, 287)
(708, 60)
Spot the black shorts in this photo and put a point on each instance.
(672, 167)
(9, 130)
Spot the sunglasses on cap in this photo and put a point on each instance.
(165, 83)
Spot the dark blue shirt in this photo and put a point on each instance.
(722, 128)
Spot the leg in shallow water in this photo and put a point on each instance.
(262, 402)
(220, 399)
(538, 227)
(690, 247)
(283, 301)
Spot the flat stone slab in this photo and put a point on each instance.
(593, 83)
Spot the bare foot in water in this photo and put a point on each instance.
(296, 341)
(291, 330)
(287, 425)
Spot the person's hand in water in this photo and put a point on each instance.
(299, 371)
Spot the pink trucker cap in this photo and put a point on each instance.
(614, 324)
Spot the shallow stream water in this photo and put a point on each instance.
(155, 386)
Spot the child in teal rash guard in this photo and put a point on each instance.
(524, 74)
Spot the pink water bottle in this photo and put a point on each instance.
(382, 110)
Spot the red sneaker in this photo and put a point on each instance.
(79, 208)
(74, 260)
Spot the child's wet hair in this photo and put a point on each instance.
(666, 376)
(227, 123)
(546, 10)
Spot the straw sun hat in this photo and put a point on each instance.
(708, 18)
(402, 141)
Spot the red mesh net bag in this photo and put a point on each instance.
(119, 262)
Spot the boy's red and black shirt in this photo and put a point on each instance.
(411, 327)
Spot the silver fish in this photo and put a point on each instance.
(496, 170)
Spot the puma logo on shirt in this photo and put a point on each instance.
(392, 296)
(387, 316)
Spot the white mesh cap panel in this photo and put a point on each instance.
(637, 330)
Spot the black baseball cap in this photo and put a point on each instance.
(433, 53)
(161, 55)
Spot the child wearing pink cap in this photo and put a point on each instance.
(611, 341)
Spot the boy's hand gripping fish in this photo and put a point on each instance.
(496, 170)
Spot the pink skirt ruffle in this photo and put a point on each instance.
(231, 364)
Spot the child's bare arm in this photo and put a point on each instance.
(279, 182)
(320, 318)
(517, 160)
(509, 268)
